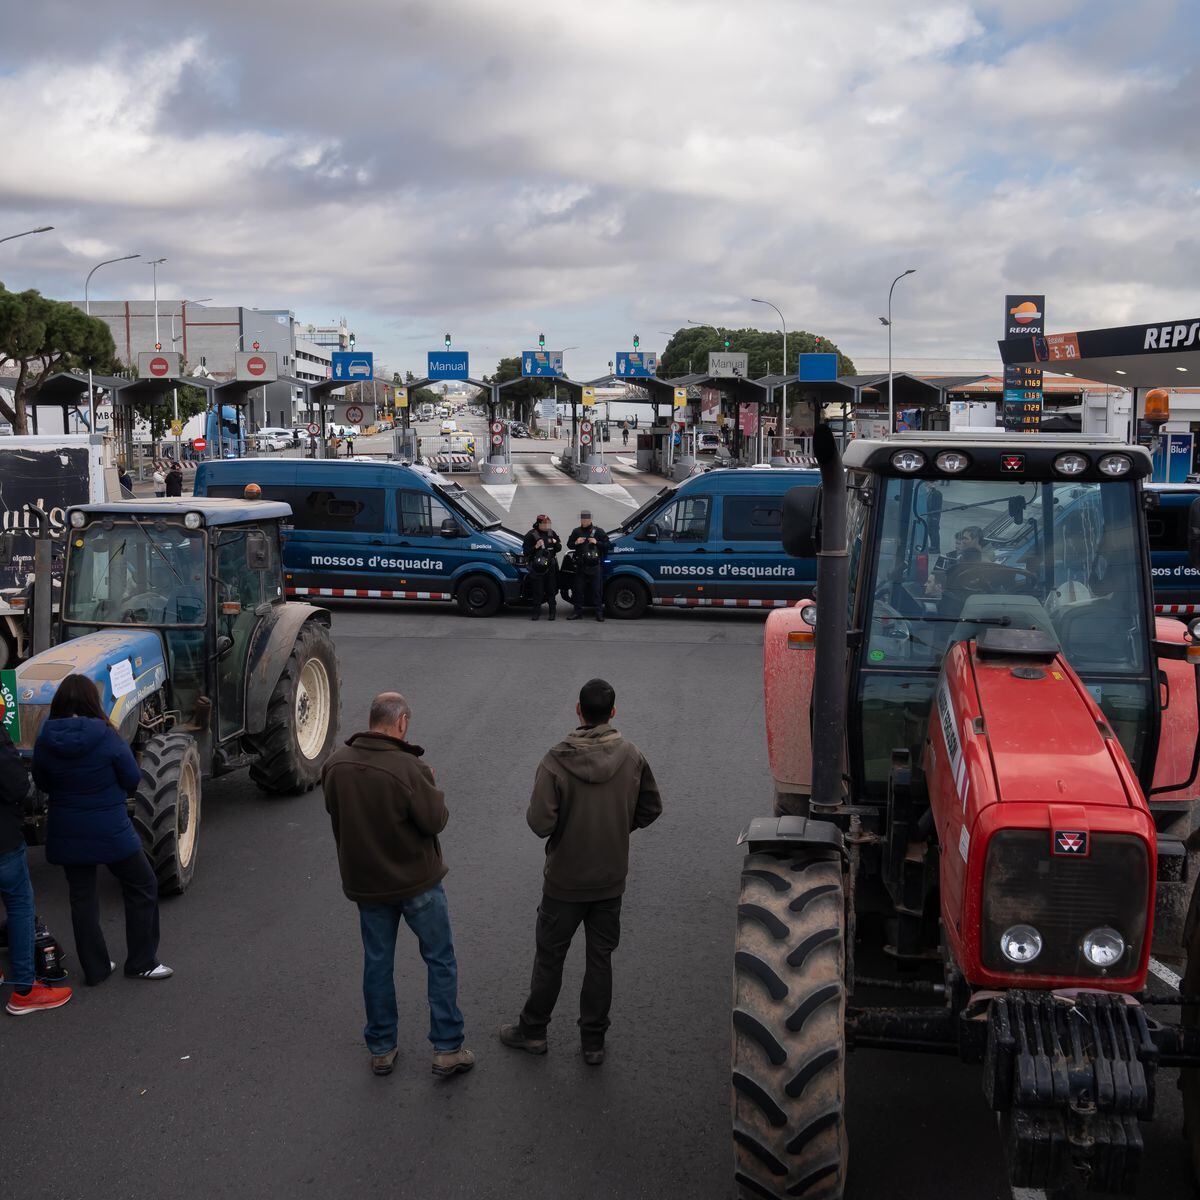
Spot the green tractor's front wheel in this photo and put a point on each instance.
(302, 717)
(166, 808)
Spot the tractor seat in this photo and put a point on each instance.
(1096, 636)
(1023, 612)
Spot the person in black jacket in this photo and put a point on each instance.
(87, 770)
(541, 547)
(175, 479)
(590, 545)
(16, 891)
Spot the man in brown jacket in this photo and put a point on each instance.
(591, 791)
(387, 812)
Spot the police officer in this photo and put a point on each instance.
(590, 545)
(541, 547)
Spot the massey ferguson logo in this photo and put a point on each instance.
(1070, 841)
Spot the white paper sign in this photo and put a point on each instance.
(120, 678)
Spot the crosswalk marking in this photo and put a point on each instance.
(502, 493)
(612, 491)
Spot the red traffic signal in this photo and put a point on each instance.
(255, 345)
(158, 345)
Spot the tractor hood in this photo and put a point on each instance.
(125, 664)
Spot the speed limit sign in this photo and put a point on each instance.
(585, 439)
(354, 414)
(498, 427)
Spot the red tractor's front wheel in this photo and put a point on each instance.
(789, 1040)
(1189, 1077)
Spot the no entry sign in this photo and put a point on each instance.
(159, 366)
(256, 364)
(199, 445)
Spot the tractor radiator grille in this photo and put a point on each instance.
(1064, 897)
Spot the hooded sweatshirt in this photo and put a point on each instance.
(86, 771)
(386, 812)
(591, 791)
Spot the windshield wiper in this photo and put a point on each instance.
(1001, 621)
(158, 549)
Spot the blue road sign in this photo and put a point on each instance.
(541, 362)
(817, 368)
(448, 364)
(636, 364)
(349, 365)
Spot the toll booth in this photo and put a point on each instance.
(654, 449)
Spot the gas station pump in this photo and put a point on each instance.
(496, 467)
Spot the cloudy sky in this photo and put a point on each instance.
(595, 168)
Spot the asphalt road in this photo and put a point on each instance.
(245, 1075)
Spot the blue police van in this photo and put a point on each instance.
(1176, 581)
(712, 542)
(381, 531)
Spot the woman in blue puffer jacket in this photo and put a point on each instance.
(87, 771)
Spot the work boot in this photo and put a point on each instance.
(574, 616)
(511, 1035)
(382, 1064)
(599, 614)
(593, 1055)
(452, 1062)
(551, 616)
(537, 612)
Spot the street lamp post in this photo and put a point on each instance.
(175, 391)
(153, 264)
(87, 308)
(888, 322)
(27, 232)
(782, 322)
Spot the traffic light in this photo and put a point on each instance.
(637, 341)
(158, 345)
(726, 343)
(447, 341)
(255, 345)
(541, 341)
(352, 340)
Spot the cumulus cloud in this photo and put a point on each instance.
(589, 169)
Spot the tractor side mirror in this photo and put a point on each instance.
(224, 645)
(1016, 510)
(450, 528)
(7, 547)
(258, 552)
(802, 521)
(1193, 527)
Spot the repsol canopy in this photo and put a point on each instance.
(1162, 354)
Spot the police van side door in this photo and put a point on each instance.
(752, 564)
(674, 550)
(335, 534)
(426, 558)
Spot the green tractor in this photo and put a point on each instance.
(175, 609)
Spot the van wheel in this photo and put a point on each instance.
(626, 598)
(479, 596)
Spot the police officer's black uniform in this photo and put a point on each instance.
(543, 568)
(589, 570)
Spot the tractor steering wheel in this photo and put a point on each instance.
(138, 607)
(975, 578)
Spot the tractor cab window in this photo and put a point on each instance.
(135, 573)
(957, 555)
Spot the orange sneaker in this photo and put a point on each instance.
(37, 999)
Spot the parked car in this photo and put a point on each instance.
(265, 441)
(518, 429)
(708, 443)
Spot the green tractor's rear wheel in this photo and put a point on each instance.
(789, 1041)
(166, 808)
(302, 717)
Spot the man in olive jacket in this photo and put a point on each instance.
(387, 812)
(591, 791)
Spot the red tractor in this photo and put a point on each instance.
(985, 751)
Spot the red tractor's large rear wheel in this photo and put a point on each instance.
(1189, 1077)
(789, 1041)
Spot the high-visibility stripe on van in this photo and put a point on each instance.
(1176, 610)
(709, 602)
(367, 594)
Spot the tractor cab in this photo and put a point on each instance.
(200, 572)
(175, 609)
(951, 534)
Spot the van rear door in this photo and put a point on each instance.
(1176, 581)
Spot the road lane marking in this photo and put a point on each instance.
(612, 491)
(1163, 972)
(502, 493)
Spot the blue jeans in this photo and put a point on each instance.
(428, 916)
(17, 893)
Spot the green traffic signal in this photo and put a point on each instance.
(637, 341)
(541, 341)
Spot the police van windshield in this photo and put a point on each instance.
(458, 497)
(632, 522)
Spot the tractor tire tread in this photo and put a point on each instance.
(156, 806)
(788, 1078)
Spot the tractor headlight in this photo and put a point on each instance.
(1115, 464)
(78, 519)
(908, 461)
(1071, 464)
(1103, 947)
(952, 462)
(1021, 944)
(808, 614)
(192, 520)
